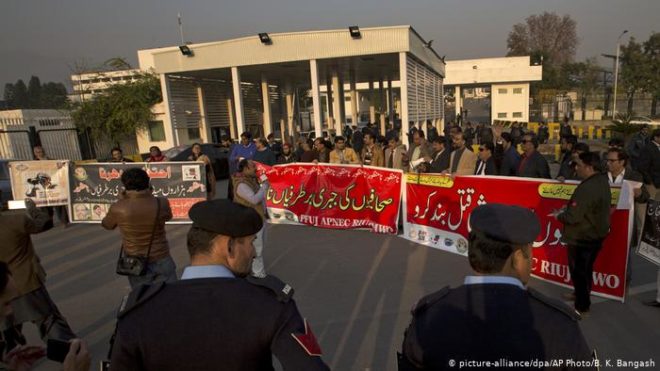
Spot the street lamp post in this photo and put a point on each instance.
(616, 72)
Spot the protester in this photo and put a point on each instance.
(248, 192)
(419, 150)
(486, 163)
(155, 155)
(566, 165)
(22, 357)
(141, 219)
(32, 302)
(322, 152)
(308, 153)
(342, 154)
(357, 140)
(516, 133)
(586, 220)
(395, 154)
(532, 163)
(650, 165)
(543, 133)
(245, 149)
(493, 316)
(117, 155)
(263, 154)
(431, 131)
(565, 129)
(510, 158)
(486, 134)
(372, 153)
(221, 321)
(274, 145)
(462, 160)
(287, 156)
(211, 181)
(469, 134)
(636, 146)
(439, 160)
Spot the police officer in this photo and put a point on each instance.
(214, 318)
(494, 316)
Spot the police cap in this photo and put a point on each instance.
(226, 218)
(505, 223)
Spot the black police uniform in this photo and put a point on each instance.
(215, 323)
(494, 319)
(212, 324)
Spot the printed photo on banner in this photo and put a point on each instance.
(45, 182)
(649, 245)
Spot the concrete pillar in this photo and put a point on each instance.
(337, 103)
(372, 102)
(289, 109)
(355, 113)
(382, 106)
(390, 103)
(238, 100)
(330, 105)
(316, 97)
(265, 98)
(459, 102)
(232, 123)
(204, 128)
(167, 122)
(403, 72)
(341, 99)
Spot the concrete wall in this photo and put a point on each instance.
(505, 101)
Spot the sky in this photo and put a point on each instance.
(47, 38)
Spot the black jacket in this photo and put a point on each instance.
(491, 169)
(650, 164)
(439, 163)
(587, 215)
(210, 324)
(510, 159)
(491, 322)
(536, 166)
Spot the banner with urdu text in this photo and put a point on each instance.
(96, 186)
(334, 196)
(437, 208)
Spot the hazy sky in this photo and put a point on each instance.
(45, 37)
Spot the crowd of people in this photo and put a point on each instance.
(237, 316)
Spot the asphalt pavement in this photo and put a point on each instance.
(355, 288)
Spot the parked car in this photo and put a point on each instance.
(640, 120)
(5, 183)
(218, 155)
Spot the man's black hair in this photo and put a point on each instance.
(592, 159)
(135, 179)
(487, 255)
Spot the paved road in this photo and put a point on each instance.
(355, 288)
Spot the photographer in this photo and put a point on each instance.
(21, 358)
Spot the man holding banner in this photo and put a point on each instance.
(586, 221)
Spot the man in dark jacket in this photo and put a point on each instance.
(650, 165)
(215, 318)
(636, 147)
(493, 316)
(486, 163)
(510, 158)
(532, 163)
(287, 156)
(440, 158)
(263, 154)
(565, 167)
(586, 220)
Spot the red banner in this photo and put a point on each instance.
(334, 196)
(437, 209)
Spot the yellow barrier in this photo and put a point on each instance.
(557, 152)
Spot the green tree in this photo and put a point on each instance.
(652, 53)
(121, 110)
(20, 95)
(635, 71)
(8, 94)
(585, 78)
(34, 93)
(546, 35)
(54, 95)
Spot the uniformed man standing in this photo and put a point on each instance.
(493, 316)
(213, 318)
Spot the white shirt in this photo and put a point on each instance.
(206, 271)
(619, 178)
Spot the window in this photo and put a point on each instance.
(156, 131)
(502, 91)
(193, 133)
(517, 91)
(517, 115)
(501, 115)
(49, 122)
